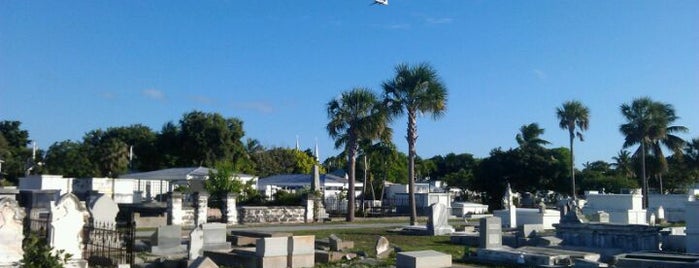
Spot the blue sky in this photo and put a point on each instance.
(70, 67)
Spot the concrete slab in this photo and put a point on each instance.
(423, 259)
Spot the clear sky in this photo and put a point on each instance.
(70, 67)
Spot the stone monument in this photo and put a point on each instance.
(66, 221)
(103, 211)
(438, 221)
(195, 248)
(11, 216)
(490, 231)
(201, 208)
(509, 205)
(383, 248)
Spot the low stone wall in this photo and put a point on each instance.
(290, 214)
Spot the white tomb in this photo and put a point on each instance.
(11, 216)
(622, 208)
(66, 221)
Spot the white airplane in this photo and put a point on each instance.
(380, 2)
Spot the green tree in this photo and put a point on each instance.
(529, 136)
(206, 138)
(414, 90)
(13, 150)
(70, 159)
(113, 157)
(623, 164)
(573, 114)
(222, 181)
(282, 161)
(356, 115)
(648, 124)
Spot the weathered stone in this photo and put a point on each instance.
(215, 236)
(272, 246)
(203, 262)
(529, 230)
(230, 211)
(423, 259)
(174, 209)
(600, 216)
(490, 233)
(68, 216)
(632, 237)
(335, 243)
(103, 211)
(195, 247)
(201, 208)
(438, 221)
(11, 236)
(167, 240)
(383, 248)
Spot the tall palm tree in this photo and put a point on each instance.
(623, 165)
(356, 115)
(529, 136)
(414, 90)
(648, 125)
(573, 114)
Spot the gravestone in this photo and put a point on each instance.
(490, 230)
(66, 221)
(201, 209)
(195, 248)
(438, 221)
(230, 212)
(383, 248)
(11, 216)
(571, 213)
(423, 259)
(661, 214)
(167, 240)
(103, 212)
(600, 216)
(301, 251)
(215, 236)
(651, 219)
(335, 243)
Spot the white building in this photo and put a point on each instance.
(120, 190)
(331, 184)
(46, 182)
(159, 182)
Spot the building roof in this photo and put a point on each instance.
(300, 180)
(170, 174)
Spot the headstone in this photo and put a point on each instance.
(573, 214)
(512, 217)
(203, 262)
(507, 200)
(661, 214)
(651, 219)
(230, 214)
(600, 216)
(383, 248)
(301, 251)
(11, 216)
(103, 211)
(529, 230)
(335, 243)
(438, 221)
(423, 259)
(66, 221)
(195, 249)
(490, 233)
(310, 210)
(175, 214)
(167, 240)
(215, 236)
(201, 208)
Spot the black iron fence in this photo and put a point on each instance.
(108, 244)
(38, 227)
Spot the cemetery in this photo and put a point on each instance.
(608, 230)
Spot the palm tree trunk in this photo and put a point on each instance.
(572, 166)
(644, 190)
(412, 138)
(352, 161)
(364, 185)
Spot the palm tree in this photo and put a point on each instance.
(573, 114)
(623, 165)
(356, 115)
(648, 125)
(414, 90)
(529, 136)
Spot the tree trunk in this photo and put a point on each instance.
(364, 185)
(644, 190)
(412, 138)
(572, 164)
(352, 162)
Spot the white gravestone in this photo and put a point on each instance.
(11, 216)
(103, 211)
(196, 243)
(66, 222)
(438, 222)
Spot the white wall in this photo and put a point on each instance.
(622, 208)
(46, 182)
(673, 204)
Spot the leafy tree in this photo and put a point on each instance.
(13, 150)
(414, 90)
(573, 114)
(648, 124)
(168, 144)
(529, 136)
(623, 164)
(143, 141)
(223, 181)
(70, 159)
(282, 161)
(206, 138)
(455, 170)
(356, 115)
(113, 157)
